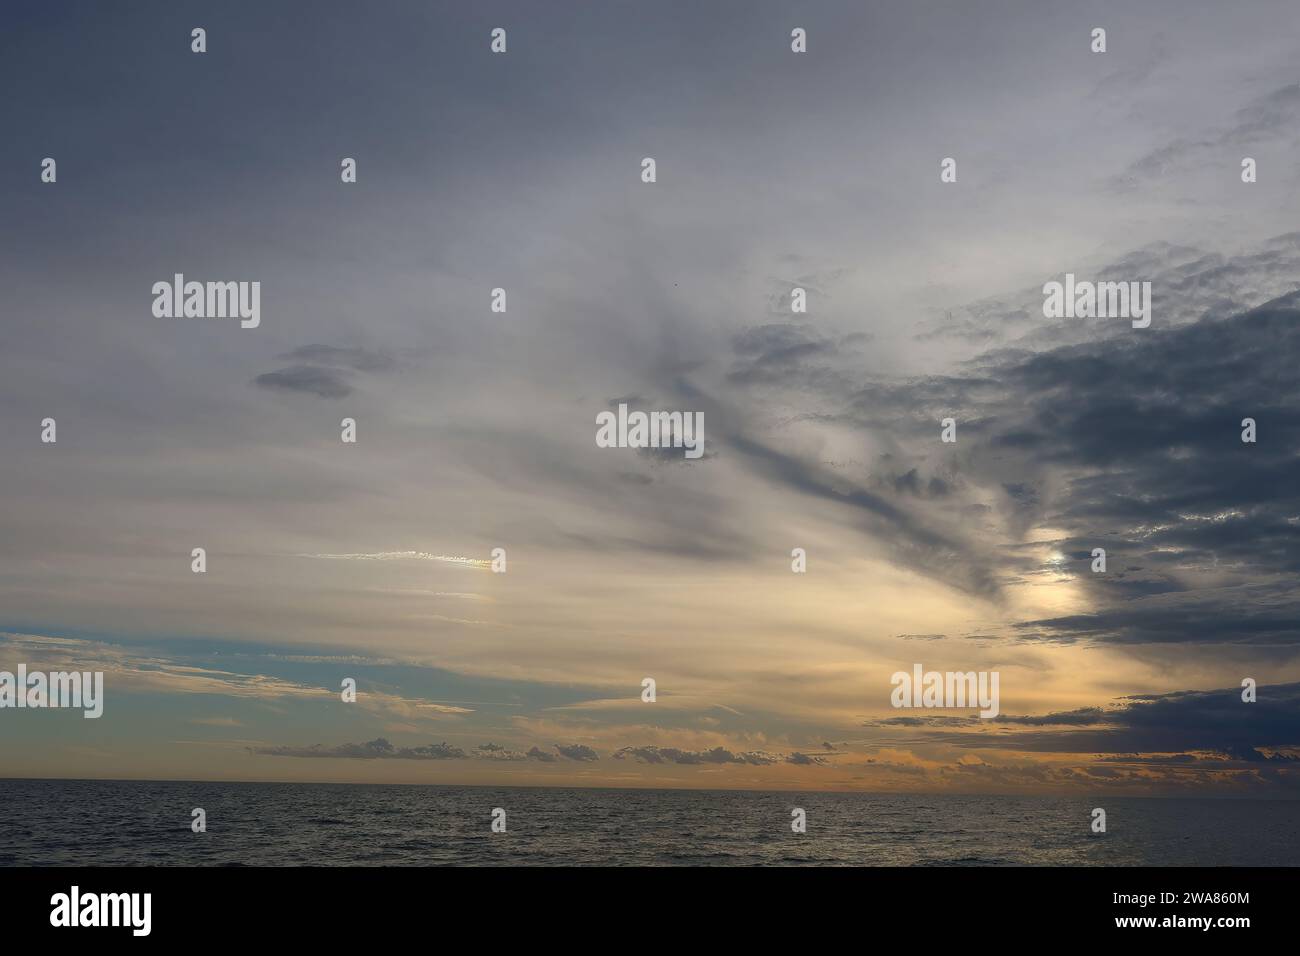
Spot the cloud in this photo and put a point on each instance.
(913, 540)
(768, 353)
(1259, 615)
(1131, 443)
(323, 370)
(135, 670)
(807, 760)
(1082, 717)
(382, 748)
(308, 379)
(497, 752)
(403, 556)
(491, 751)
(577, 752)
(1216, 722)
(377, 749)
(717, 755)
(1263, 118)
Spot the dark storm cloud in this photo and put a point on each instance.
(1084, 716)
(1148, 433)
(1248, 615)
(1131, 443)
(1175, 391)
(1215, 722)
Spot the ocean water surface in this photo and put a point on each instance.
(146, 823)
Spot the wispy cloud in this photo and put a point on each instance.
(403, 556)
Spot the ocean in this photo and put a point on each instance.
(148, 823)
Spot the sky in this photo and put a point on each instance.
(476, 429)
